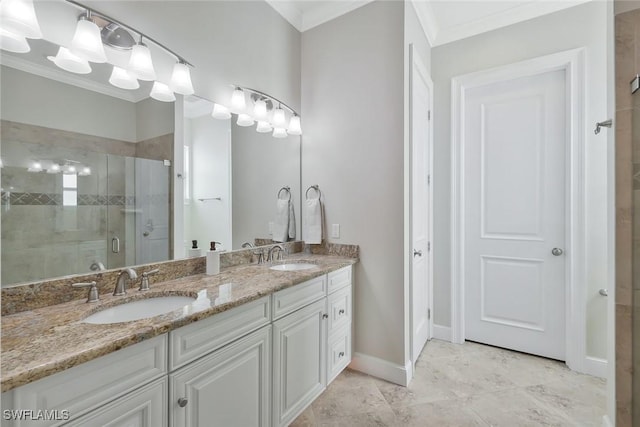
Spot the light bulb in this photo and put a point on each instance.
(279, 133)
(260, 109)
(85, 171)
(123, 79)
(181, 79)
(19, 17)
(278, 119)
(12, 42)
(220, 112)
(245, 120)
(69, 169)
(238, 103)
(140, 63)
(294, 125)
(161, 92)
(70, 62)
(87, 43)
(35, 167)
(54, 168)
(263, 127)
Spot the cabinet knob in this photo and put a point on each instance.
(341, 354)
(341, 311)
(325, 316)
(182, 402)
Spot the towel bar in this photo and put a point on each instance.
(287, 189)
(314, 187)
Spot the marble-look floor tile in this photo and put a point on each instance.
(511, 408)
(306, 419)
(449, 413)
(349, 394)
(427, 386)
(381, 418)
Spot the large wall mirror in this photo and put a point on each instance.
(87, 173)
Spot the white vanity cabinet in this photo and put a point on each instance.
(311, 341)
(228, 388)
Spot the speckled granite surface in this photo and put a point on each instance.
(40, 342)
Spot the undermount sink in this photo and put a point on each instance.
(293, 266)
(139, 309)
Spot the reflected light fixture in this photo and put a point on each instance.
(35, 167)
(161, 92)
(54, 168)
(245, 120)
(220, 112)
(13, 42)
(279, 133)
(123, 79)
(86, 42)
(140, 64)
(69, 169)
(70, 62)
(260, 109)
(263, 127)
(19, 17)
(294, 125)
(85, 171)
(238, 103)
(181, 79)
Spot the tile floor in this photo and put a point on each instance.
(464, 385)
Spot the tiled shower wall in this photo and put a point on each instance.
(41, 237)
(627, 220)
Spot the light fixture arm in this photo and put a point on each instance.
(90, 11)
(269, 97)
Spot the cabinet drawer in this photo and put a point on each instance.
(85, 387)
(339, 279)
(339, 308)
(338, 352)
(197, 339)
(291, 299)
(145, 407)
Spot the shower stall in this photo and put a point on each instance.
(67, 210)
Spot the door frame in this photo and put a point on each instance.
(573, 63)
(418, 66)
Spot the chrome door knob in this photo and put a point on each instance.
(182, 402)
(556, 251)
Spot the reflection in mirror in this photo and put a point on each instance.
(233, 180)
(84, 182)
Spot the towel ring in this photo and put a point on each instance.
(287, 189)
(313, 187)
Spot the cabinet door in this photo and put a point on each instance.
(145, 407)
(299, 361)
(229, 387)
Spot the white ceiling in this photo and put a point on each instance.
(444, 21)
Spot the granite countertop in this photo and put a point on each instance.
(48, 340)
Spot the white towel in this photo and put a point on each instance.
(281, 223)
(292, 222)
(313, 221)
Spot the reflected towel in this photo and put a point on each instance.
(292, 222)
(313, 221)
(281, 223)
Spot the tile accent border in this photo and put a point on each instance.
(55, 199)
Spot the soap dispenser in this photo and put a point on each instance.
(213, 259)
(194, 252)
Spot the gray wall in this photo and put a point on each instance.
(580, 26)
(352, 109)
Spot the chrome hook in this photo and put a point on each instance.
(605, 124)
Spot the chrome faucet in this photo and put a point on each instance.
(280, 248)
(121, 284)
(248, 245)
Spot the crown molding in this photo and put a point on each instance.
(427, 19)
(68, 78)
(321, 13)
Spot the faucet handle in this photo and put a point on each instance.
(92, 296)
(144, 283)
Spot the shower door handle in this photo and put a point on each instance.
(115, 245)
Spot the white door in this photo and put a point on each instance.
(420, 205)
(514, 146)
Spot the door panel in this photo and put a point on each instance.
(514, 152)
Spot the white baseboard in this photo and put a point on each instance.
(606, 422)
(595, 366)
(382, 369)
(442, 332)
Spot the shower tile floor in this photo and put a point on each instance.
(464, 385)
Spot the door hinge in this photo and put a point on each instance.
(429, 115)
(428, 179)
(428, 313)
(429, 246)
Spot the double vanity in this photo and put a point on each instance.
(252, 346)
